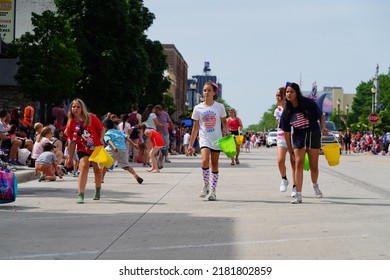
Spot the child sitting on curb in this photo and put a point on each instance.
(47, 163)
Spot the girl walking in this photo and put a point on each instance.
(235, 125)
(281, 144)
(208, 117)
(304, 115)
(85, 131)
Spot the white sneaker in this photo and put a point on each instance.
(297, 199)
(283, 185)
(213, 195)
(205, 191)
(293, 192)
(317, 191)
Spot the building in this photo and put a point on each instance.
(332, 100)
(24, 8)
(195, 86)
(10, 93)
(177, 72)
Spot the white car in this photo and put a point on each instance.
(271, 139)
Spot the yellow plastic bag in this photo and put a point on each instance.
(101, 157)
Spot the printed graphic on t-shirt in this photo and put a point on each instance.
(209, 120)
(299, 121)
(80, 131)
(278, 113)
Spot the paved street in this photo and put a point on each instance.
(165, 219)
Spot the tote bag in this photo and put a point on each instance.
(101, 157)
(8, 187)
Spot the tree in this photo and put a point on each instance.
(362, 106)
(110, 38)
(48, 59)
(157, 83)
(267, 122)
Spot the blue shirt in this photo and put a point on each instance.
(117, 137)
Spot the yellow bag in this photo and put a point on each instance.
(101, 157)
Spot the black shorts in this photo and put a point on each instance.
(212, 150)
(306, 139)
(134, 134)
(234, 132)
(82, 154)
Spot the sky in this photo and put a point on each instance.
(255, 46)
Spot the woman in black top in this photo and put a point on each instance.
(303, 115)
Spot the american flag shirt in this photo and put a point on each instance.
(298, 120)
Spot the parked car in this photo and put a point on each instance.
(271, 139)
(332, 127)
(331, 137)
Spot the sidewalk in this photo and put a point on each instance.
(164, 219)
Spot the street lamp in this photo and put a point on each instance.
(346, 117)
(193, 89)
(338, 112)
(373, 91)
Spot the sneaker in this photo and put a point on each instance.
(42, 178)
(213, 195)
(64, 170)
(205, 191)
(293, 192)
(297, 199)
(76, 173)
(317, 191)
(283, 185)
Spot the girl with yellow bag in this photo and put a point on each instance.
(85, 131)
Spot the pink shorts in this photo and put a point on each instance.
(47, 169)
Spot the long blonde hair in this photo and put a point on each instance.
(84, 112)
(45, 131)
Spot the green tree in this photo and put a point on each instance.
(110, 38)
(157, 83)
(48, 59)
(362, 106)
(267, 121)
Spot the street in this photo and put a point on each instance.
(164, 219)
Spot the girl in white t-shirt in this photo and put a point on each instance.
(186, 141)
(208, 117)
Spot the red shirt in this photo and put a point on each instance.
(156, 139)
(233, 125)
(87, 138)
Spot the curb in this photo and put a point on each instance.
(25, 176)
